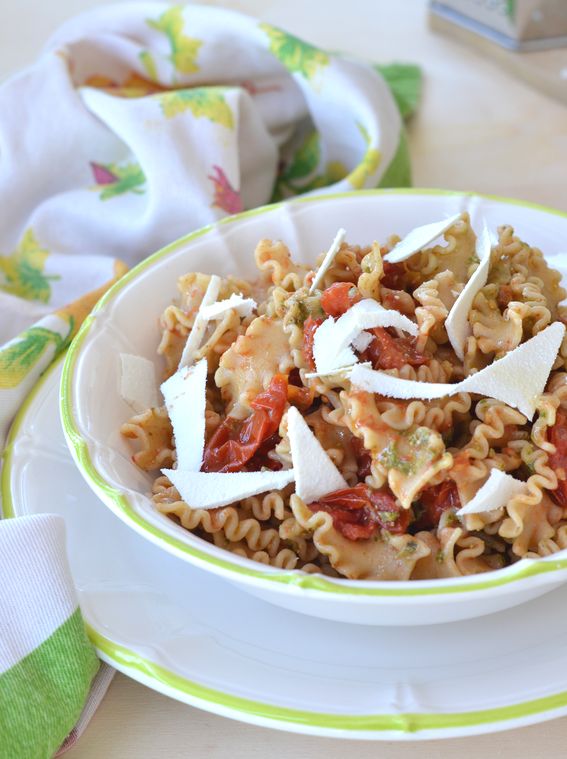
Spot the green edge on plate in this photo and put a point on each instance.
(133, 663)
(309, 582)
(6, 505)
(403, 722)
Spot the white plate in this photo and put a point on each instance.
(126, 320)
(193, 636)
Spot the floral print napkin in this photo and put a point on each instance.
(139, 123)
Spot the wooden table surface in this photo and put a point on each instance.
(477, 129)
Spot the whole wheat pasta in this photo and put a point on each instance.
(409, 464)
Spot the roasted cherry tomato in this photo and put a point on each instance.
(505, 295)
(339, 297)
(363, 458)
(398, 300)
(360, 511)
(235, 442)
(433, 502)
(387, 352)
(310, 326)
(302, 397)
(297, 394)
(394, 275)
(558, 460)
(261, 459)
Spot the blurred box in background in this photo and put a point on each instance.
(514, 24)
(526, 38)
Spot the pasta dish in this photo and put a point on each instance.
(375, 417)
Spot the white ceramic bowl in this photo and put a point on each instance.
(125, 320)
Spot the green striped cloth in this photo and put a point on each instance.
(47, 664)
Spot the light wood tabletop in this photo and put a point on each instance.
(477, 128)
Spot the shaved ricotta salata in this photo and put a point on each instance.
(200, 325)
(185, 400)
(331, 346)
(497, 491)
(327, 262)
(315, 473)
(516, 379)
(138, 386)
(418, 239)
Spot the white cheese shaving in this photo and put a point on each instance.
(497, 491)
(340, 372)
(242, 306)
(196, 335)
(329, 258)
(516, 379)
(138, 386)
(211, 490)
(457, 323)
(185, 400)
(332, 339)
(418, 239)
(315, 473)
(362, 341)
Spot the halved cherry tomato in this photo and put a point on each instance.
(394, 275)
(235, 442)
(339, 297)
(434, 501)
(558, 460)
(387, 352)
(309, 328)
(360, 511)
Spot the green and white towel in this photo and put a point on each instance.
(47, 664)
(139, 123)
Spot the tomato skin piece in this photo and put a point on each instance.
(261, 459)
(394, 275)
(234, 443)
(224, 452)
(272, 401)
(310, 326)
(302, 397)
(398, 300)
(387, 352)
(363, 458)
(504, 297)
(359, 512)
(557, 435)
(339, 297)
(434, 502)
(353, 525)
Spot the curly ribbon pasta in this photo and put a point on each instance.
(405, 448)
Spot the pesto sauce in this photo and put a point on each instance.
(420, 454)
(408, 550)
(306, 307)
(390, 459)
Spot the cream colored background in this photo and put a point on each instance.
(477, 129)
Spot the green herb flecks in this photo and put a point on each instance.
(408, 550)
(388, 517)
(390, 458)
